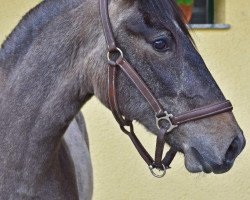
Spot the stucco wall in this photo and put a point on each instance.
(119, 173)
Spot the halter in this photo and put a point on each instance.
(162, 164)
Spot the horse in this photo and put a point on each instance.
(54, 61)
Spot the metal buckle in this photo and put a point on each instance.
(167, 118)
(116, 50)
(151, 167)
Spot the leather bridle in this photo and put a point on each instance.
(160, 113)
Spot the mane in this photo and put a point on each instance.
(30, 26)
(164, 11)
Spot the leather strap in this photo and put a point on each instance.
(160, 113)
(112, 97)
(107, 25)
(203, 112)
(158, 162)
(141, 86)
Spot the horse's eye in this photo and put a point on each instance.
(160, 45)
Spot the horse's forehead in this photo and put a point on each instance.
(118, 12)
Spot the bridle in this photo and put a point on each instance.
(160, 113)
(173, 122)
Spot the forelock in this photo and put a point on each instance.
(163, 12)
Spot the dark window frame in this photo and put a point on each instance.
(203, 12)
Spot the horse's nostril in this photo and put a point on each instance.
(235, 148)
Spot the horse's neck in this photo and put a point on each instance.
(17, 43)
(41, 95)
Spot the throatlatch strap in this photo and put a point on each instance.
(112, 98)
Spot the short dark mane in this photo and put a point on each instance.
(164, 11)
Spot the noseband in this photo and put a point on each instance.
(161, 115)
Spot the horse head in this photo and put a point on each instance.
(156, 42)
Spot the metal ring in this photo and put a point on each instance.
(167, 118)
(151, 167)
(112, 51)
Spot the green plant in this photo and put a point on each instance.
(184, 2)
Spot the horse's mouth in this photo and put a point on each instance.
(196, 163)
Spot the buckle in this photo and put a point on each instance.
(166, 118)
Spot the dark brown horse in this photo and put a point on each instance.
(55, 60)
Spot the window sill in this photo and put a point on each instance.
(209, 26)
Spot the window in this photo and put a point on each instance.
(203, 12)
(208, 14)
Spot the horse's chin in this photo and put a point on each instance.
(196, 163)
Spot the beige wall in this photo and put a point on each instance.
(119, 173)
